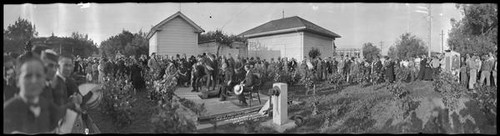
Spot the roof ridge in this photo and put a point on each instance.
(302, 21)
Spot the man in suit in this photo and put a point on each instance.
(65, 87)
(249, 81)
(228, 79)
(198, 71)
(28, 112)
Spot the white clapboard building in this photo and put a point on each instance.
(176, 34)
(291, 37)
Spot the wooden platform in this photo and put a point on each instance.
(214, 106)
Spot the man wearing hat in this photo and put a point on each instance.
(246, 84)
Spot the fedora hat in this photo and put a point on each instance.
(238, 89)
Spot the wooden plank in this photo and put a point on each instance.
(229, 115)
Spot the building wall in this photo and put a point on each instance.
(324, 44)
(274, 46)
(211, 47)
(177, 37)
(153, 44)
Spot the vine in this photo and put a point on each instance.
(402, 73)
(446, 84)
(336, 79)
(398, 90)
(166, 119)
(487, 97)
(118, 94)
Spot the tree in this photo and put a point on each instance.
(16, 35)
(408, 46)
(477, 31)
(223, 39)
(127, 43)
(393, 53)
(313, 53)
(370, 51)
(78, 44)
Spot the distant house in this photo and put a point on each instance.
(350, 52)
(176, 34)
(291, 37)
(235, 49)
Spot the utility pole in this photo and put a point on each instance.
(283, 13)
(430, 29)
(442, 41)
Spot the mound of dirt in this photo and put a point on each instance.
(373, 109)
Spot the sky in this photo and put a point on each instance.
(357, 23)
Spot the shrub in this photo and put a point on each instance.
(446, 84)
(487, 97)
(166, 119)
(283, 76)
(314, 52)
(402, 73)
(398, 90)
(118, 96)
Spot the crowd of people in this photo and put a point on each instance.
(474, 67)
(40, 84)
(38, 90)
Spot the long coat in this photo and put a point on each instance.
(137, 79)
(389, 71)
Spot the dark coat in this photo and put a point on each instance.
(136, 77)
(377, 67)
(18, 116)
(9, 90)
(389, 72)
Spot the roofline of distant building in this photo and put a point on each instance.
(296, 29)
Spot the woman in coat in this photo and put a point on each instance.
(389, 70)
(464, 79)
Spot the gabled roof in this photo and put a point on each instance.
(178, 14)
(288, 24)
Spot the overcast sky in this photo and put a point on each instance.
(357, 23)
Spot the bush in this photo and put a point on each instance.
(398, 90)
(375, 77)
(314, 52)
(487, 97)
(336, 79)
(166, 119)
(283, 76)
(446, 84)
(117, 100)
(402, 73)
(164, 89)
